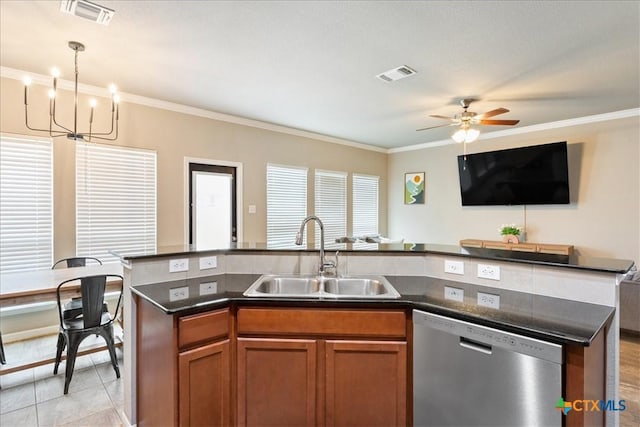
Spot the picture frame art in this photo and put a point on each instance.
(414, 188)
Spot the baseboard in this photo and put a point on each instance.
(29, 334)
(630, 332)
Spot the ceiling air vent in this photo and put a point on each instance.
(87, 10)
(397, 73)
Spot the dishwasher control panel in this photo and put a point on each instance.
(490, 336)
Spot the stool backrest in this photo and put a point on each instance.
(75, 261)
(92, 289)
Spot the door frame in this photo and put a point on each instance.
(185, 195)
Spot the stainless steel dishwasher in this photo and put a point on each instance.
(470, 375)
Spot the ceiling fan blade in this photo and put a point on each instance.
(434, 127)
(494, 113)
(499, 122)
(441, 117)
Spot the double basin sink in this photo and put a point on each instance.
(302, 286)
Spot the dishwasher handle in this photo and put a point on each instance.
(474, 345)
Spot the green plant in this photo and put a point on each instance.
(506, 229)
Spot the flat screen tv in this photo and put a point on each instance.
(535, 175)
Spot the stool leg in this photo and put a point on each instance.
(72, 351)
(59, 348)
(108, 337)
(3, 359)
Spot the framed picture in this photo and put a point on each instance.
(414, 186)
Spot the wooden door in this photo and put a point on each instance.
(276, 382)
(366, 383)
(205, 385)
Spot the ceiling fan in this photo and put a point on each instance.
(467, 118)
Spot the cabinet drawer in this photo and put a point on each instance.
(203, 327)
(325, 322)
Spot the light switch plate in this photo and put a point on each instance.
(453, 267)
(488, 271)
(177, 294)
(454, 294)
(252, 209)
(208, 288)
(176, 265)
(207, 262)
(488, 300)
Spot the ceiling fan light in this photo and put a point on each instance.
(472, 135)
(465, 135)
(459, 135)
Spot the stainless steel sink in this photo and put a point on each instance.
(279, 285)
(355, 286)
(369, 287)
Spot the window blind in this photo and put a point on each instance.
(115, 201)
(331, 204)
(365, 205)
(286, 204)
(26, 204)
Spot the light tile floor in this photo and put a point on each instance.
(35, 397)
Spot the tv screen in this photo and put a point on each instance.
(535, 175)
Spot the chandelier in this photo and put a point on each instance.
(55, 128)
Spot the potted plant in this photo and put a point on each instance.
(510, 233)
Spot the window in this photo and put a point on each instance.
(286, 204)
(115, 200)
(365, 205)
(331, 204)
(26, 204)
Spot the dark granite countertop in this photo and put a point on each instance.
(551, 319)
(607, 265)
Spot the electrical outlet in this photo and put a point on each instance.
(488, 271)
(489, 300)
(455, 294)
(208, 262)
(176, 265)
(453, 267)
(177, 294)
(208, 288)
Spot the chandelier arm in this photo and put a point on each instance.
(26, 118)
(113, 119)
(105, 138)
(53, 115)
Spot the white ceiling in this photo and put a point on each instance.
(311, 65)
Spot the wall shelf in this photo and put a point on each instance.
(545, 248)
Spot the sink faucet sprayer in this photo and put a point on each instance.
(299, 237)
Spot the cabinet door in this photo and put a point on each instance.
(366, 383)
(276, 382)
(205, 385)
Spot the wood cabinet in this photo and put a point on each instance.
(204, 385)
(321, 367)
(365, 383)
(276, 382)
(184, 368)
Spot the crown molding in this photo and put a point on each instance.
(44, 80)
(41, 79)
(616, 115)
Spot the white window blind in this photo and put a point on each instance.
(331, 204)
(26, 204)
(286, 204)
(365, 205)
(115, 201)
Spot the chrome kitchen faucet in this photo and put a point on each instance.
(299, 237)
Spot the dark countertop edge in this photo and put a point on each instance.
(404, 302)
(491, 254)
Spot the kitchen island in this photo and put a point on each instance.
(568, 300)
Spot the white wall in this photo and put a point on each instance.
(602, 220)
